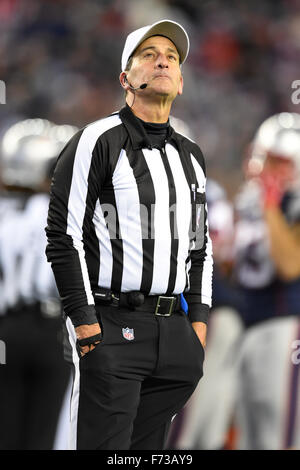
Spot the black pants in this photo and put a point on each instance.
(32, 382)
(126, 391)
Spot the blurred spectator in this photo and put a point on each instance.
(34, 377)
(267, 268)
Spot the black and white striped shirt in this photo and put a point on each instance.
(120, 217)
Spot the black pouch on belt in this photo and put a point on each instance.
(132, 299)
(102, 295)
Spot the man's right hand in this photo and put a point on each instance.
(85, 331)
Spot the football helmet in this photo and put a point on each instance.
(279, 135)
(28, 151)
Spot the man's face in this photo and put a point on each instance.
(156, 62)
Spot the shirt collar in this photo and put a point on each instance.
(136, 131)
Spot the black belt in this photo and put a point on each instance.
(161, 305)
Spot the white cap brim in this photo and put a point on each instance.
(170, 29)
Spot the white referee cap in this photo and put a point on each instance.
(170, 29)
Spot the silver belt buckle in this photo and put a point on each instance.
(162, 297)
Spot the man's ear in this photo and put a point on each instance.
(180, 86)
(123, 80)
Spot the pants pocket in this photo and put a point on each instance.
(196, 339)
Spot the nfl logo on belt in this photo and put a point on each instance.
(128, 333)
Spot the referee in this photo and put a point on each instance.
(127, 238)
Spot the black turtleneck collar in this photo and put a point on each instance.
(145, 134)
(156, 132)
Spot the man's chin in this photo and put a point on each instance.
(164, 92)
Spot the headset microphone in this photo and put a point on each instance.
(141, 87)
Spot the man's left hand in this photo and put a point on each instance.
(200, 330)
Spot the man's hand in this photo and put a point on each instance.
(200, 330)
(85, 331)
(275, 179)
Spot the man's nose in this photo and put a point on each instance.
(162, 61)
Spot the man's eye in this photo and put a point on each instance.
(173, 58)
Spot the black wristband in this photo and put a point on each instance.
(89, 340)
